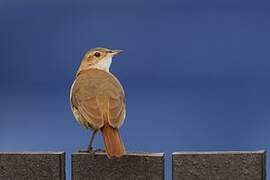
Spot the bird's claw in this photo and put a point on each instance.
(87, 150)
(99, 150)
(92, 151)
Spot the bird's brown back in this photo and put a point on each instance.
(99, 98)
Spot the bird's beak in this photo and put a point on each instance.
(115, 52)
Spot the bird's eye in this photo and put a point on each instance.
(97, 54)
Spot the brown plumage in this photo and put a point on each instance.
(98, 102)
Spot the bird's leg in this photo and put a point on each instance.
(90, 147)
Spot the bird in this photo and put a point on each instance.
(97, 100)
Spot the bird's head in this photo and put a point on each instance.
(99, 58)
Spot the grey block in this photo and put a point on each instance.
(247, 165)
(143, 166)
(32, 166)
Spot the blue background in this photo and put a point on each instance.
(196, 73)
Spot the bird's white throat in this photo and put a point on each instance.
(104, 64)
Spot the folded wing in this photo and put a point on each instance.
(96, 94)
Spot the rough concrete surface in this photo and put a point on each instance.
(32, 166)
(219, 165)
(133, 166)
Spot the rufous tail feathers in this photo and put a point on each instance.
(112, 141)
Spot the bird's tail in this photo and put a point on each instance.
(112, 141)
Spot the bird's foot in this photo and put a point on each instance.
(90, 150)
(99, 150)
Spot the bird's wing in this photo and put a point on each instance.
(98, 96)
(117, 106)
